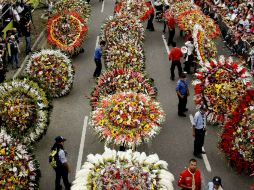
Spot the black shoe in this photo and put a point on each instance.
(198, 156)
(181, 115)
(172, 78)
(186, 109)
(203, 152)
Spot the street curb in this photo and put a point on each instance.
(38, 40)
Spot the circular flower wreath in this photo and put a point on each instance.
(118, 80)
(18, 168)
(117, 30)
(123, 170)
(53, 69)
(24, 109)
(178, 8)
(128, 118)
(188, 19)
(237, 139)
(220, 85)
(79, 6)
(136, 8)
(66, 31)
(124, 56)
(205, 47)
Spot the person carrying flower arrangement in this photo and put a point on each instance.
(97, 59)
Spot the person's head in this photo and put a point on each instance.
(192, 165)
(216, 182)
(60, 140)
(12, 38)
(14, 31)
(183, 76)
(203, 108)
(102, 43)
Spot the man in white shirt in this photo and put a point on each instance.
(189, 58)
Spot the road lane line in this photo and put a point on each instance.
(97, 40)
(203, 180)
(102, 6)
(81, 146)
(205, 159)
(165, 43)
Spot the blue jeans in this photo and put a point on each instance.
(28, 44)
(15, 58)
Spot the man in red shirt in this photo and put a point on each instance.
(190, 178)
(151, 16)
(171, 29)
(175, 55)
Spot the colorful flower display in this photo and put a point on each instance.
(188, 19)
(128, 118)
(220, 85)
(122, 29)
(237, 139)
(206, 49)
(18, 168)
(79, 6)
(136, 8)
(24, 109)
(53, 69)
(118, 80)
(124, 170)
(66, 31)
(124, 55)
(178, 8)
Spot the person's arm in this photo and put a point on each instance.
(63, 160)
(179, 94)
(9, 49)
(181, 182)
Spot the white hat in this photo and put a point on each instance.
(184, 49)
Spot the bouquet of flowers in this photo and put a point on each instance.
(118, 80)
(123, 170)
(124, 55)
(127, 118)
(66, 31)
(79, 6)
(53, 69)
(18, 168)
(122, 29)
(188, 19)
(206, 49)
(237, 139)
(24, 109)
(220, 86)
(178, 8)
(136, 8)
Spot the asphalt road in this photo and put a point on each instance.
(175, 142)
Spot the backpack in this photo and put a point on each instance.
(53, 158)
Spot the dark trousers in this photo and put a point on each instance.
(199, 141)
(172, 69)
(97, 71)
(182, 104)
(188, 63)
(171, 37)
(62, 173)
(150, 23)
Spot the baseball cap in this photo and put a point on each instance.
(60, 139)
(217, 180)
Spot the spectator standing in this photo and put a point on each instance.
(190, 178)
(2, 71)
(62, 168)
(151, 17)
(199, 129)
(175, 55)
(13, 50)
(16, 17)
(165, 23)
(182, 92)
(97, 59)
(171, 30)
(27, 34)
(215, 184)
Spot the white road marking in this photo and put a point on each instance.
(81, 146)
(165, 42)
(203, 180)
(97, 40)
(205, 159)
(102, 6)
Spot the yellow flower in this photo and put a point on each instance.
(152, 116)
(2, 152)
(146, 127)
(114, 132)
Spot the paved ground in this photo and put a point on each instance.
(175, 142)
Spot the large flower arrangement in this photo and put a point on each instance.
(206, 49)
(188, 19)
(124, 170)
(136, 8)
(124, 55)
(117, 30)
(24, 109)
(18, 168)
(128, 118)
(237, 139)
(66, 31)
(220, 85)
(178, 8)
(53, 69)
(118, 80)
(79, 6)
